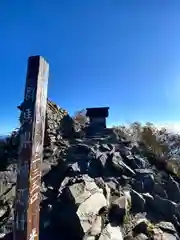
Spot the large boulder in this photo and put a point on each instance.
(88, 199)
(111, 232)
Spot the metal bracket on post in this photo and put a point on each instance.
(26, 215)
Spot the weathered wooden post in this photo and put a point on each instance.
(26, 216)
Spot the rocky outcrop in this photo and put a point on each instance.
(59, 124)
(110, 192)
(99, 188)
(54, 118)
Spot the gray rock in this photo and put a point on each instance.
(146, 177)
(119, 208)
(112, 185)
(164, 207)
(167, 227)
(98, 165)
(141, 237)
(135, 162)
(159, 190)
(118, 163)
(111, 233)
(138, 202)
(125, 152)
(143, 172)
(168, 236)
(89, 199)
(79, 207)
(105, 147)
(97, 152)
(141, 227)
(148, 197)
(76, 167)
(106, 190)
(88, 210)
(89, 238)
(173, 190)
(82, 149)
(83, 190)
(138, 186)
(96, 226)
(102, 159)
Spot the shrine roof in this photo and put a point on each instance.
(97, 112)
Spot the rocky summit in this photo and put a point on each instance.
(98, 186)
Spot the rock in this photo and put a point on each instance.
(145, 176)
(141, 227)
(83, 190)
(118, 163)
(141, 237)
(173, 190)
(112, 185)
(96, 226)
(159, 190)
(141, 173)
(135, 162)
(88, 210)
(127, 194)
(97, 166)
(55, 122)
(107, 194)
(82, 149)
(2, 235)
(164, 207)
(138, 186)
(168, 236)
(89, 238)
(118, 210)
(93, 185)
(111, 233)
(125, 152)
(142, 162)
(138, 202)
(148, 197)
(157, 234)
(105, 147)
(75, 167)
(167, 227)
(102, 159)
(124, 180)
(88, 198)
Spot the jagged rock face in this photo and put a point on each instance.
(99, 188)
(96, 189)
(59, 124)
(54, 121)
(104, 191)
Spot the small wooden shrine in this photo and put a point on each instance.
(97, 117)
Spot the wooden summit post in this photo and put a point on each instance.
(26, 215)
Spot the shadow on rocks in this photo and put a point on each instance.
(58, 217)
(64, 223)
(56, 175)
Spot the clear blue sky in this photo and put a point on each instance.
(124, 54)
